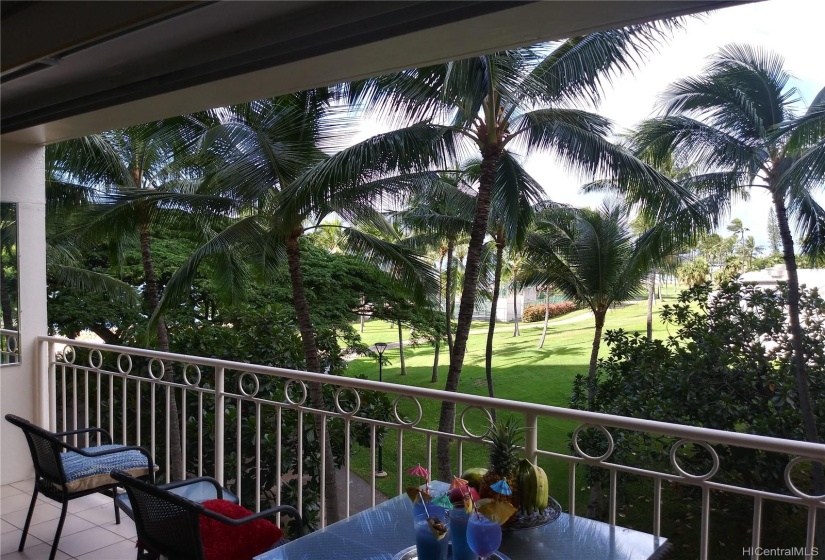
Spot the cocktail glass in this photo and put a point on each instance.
(483, 535)
(458, 534)
(428, 545)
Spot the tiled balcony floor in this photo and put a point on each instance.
(90, 532)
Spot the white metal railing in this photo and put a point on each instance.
(9, 347)
(111, 391)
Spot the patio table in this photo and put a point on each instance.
(381, 532)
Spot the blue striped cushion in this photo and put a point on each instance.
(85, 473)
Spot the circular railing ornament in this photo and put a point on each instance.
(197, 380)
(11, 344)
(338, 406)
(69, 354)
(610, 443)
(467, 430)
(95, 359)
(288, 388)
(128, 367)
(152, 363)
(792, 487)
(256, 385)
(673, 459)
(398, 416)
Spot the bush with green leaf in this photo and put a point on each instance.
(727, 366)
(536, 312)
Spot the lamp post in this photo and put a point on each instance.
(380, 347)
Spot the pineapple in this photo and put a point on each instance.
(505, 438)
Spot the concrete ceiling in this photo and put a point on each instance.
(73, 68)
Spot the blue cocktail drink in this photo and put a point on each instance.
(429, 544)
(483, 535)
(458, 535)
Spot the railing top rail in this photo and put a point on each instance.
(792, 447)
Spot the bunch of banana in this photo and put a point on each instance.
(533, 487)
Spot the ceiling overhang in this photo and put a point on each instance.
(74, 68)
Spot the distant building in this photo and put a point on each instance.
(769, 277)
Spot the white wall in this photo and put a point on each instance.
(22, 180)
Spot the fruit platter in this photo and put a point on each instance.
(527, 482)
(482, 504)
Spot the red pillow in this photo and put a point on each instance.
(241, 542)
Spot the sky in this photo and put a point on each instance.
(787, 27)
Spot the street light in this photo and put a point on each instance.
(380, 347)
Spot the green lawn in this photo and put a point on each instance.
(521, 371)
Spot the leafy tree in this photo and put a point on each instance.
(274, 173)
(266, 334)
(441, 217)
(694, 272)
(519, 99)
(728, 366)
(145, 176)
(737, 125)
(593, 259)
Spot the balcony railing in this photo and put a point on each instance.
(128, 391)
(9, 347)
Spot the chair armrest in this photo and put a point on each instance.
(265, 513)
(195, 480)
(83, 431)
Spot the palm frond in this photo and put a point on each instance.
(582, 66)
(406, 266)
(338, 180)
(89, 281)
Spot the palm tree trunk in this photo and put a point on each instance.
(401, 349)
(802, 384)
(448, 293)
(489, 160)
(515, 307)
(313, 363)
(434, 378)
(491, 328)
(594, 358)
(651, 296)
(596, 496)
(176, 465)
(546, 316)
(363, 317)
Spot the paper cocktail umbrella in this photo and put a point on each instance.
(418, 470)
(414, 492)
(458, 483)
(501, 487)
(444, 501)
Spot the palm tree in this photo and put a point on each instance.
(283, 185)
(146, 179)
(593, 258)
(516, 99)
(441, 217)
(737, 125)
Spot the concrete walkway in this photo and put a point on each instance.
(359, 493)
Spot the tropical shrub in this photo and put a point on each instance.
(728, 366)
(533, 313)
(269, 336)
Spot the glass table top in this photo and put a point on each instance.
(381, 532)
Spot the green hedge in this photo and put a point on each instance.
(533, 313)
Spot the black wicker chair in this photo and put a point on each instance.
(64, 472)
(168, 525)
